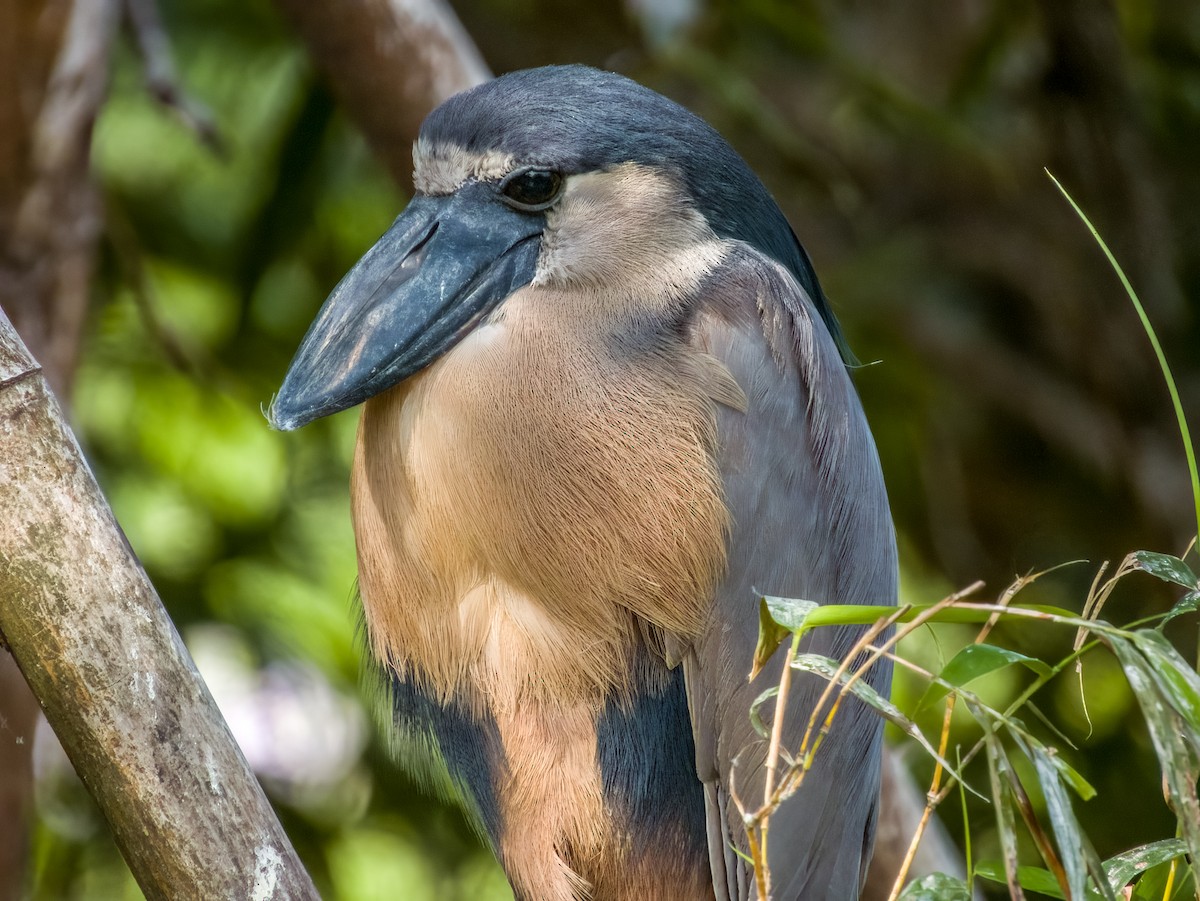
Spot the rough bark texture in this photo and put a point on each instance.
(389, 62)
(392, 61)
(116, 683)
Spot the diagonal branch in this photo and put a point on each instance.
(95, 644)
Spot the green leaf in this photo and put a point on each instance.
(865, 614)
(777, 618)
(1181, 420)
(1165, 567)
(936, 887)
(1124, 868)
(742, 854)
(755, 719)
(1082, 787)
(1168, 732)
(1189, 603)
(1179, 682)
(1075, 850)
(977, 660)
(1153, 884)
(998, 767)
(1036, 879)
(789, 612)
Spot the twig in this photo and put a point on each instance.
(123, 240)
(932, 796)
(927, 813)
(162, 81)
(805, 753)
(781, 699)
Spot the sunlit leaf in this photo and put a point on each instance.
(936, 887)
(977, 660)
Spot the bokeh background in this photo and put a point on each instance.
(1018, 408)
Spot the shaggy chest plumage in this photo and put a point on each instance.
(520, 502)
(529, 511)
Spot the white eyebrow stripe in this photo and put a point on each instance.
(444, 168)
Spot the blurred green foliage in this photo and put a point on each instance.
(1017, 408)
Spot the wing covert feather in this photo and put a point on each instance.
(810, 519)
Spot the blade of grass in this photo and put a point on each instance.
(1184, 433)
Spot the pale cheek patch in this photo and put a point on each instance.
(440, 169)
(629, 231)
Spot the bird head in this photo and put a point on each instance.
(559, 175)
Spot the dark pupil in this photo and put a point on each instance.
(533, 187)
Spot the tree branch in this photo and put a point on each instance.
(53, 73)
(389, 63)
(94, 642)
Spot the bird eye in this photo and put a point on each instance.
(531, 190)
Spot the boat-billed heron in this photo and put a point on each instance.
(604, 411)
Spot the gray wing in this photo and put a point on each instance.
(810, 519)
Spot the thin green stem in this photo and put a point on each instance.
(1184, 433)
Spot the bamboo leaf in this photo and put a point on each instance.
(790, 613)
(1075, 850)
(1036, 879)
(1176, 755)
(770, 636)
(865, 614)
(977, 660)
(760, 727)
(1124, 868)
(1005, 820)
(1189, 603)
(777, 618)
(1082, 787)
(827, 668)
(1181, 420)
(1165, 567)
(936, 887)
(1180, 683)
(1152, 886)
